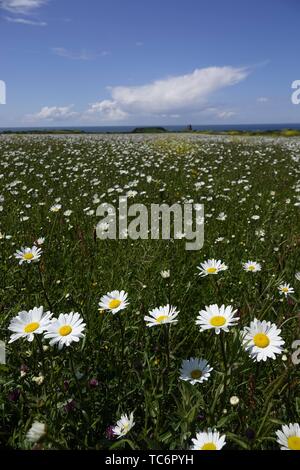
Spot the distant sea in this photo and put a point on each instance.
(115, 129)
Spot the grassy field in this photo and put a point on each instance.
(50, 187)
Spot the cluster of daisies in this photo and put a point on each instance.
(64, 330)
(288, 437)
(209, 267)
(261, 339)
(213, 266)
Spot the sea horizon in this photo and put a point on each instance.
(171, 128)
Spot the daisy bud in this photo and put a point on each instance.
(234, 400)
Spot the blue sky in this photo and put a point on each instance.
(69, 62)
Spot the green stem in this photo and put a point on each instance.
(167, 335)
(75, 376)
(122, 340)
(52, 228)
(44, 288)
(39, 342)
(223, 349)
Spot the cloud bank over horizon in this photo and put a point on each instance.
(169, 97)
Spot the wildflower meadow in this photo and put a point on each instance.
(139, 343)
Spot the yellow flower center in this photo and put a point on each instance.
(114, 303)
(31, 327)
(209, 446)
(211, 270)
(218, 320)
(294, 443)
(28, 256)
(196, 374)
(285, 289)
(261, 340)
(65, 330)
(251, 268)
(161, 318)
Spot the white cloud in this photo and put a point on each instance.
(21, 6)
(173, 95)
(262, 99)
(177, 97)
(77, 55)
(107, 110)
(52, 113)
(25, 21)
(226, 114)
(218, 112)
(181, 92)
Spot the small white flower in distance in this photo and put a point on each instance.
(55, 208)
(162, 315)
(165, 274)
(124, 425)
(285, 289)
(28, 255)
(234, 400)
(252, 266)
(36, 432)
(211, 266)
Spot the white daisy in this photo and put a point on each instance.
(27, 324)
(68, 212)
(218, 318)
(114, 301)
(285, 289)
(124, 425)
(252, 266)
(210, 440)
(211, 266)
(68, 327)
(28, 255)
(195, 370)
(222, 216)
(165, 274)
(36, 432)
(55, 208)
(289, 437)
(262, 340)
(162, 315)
